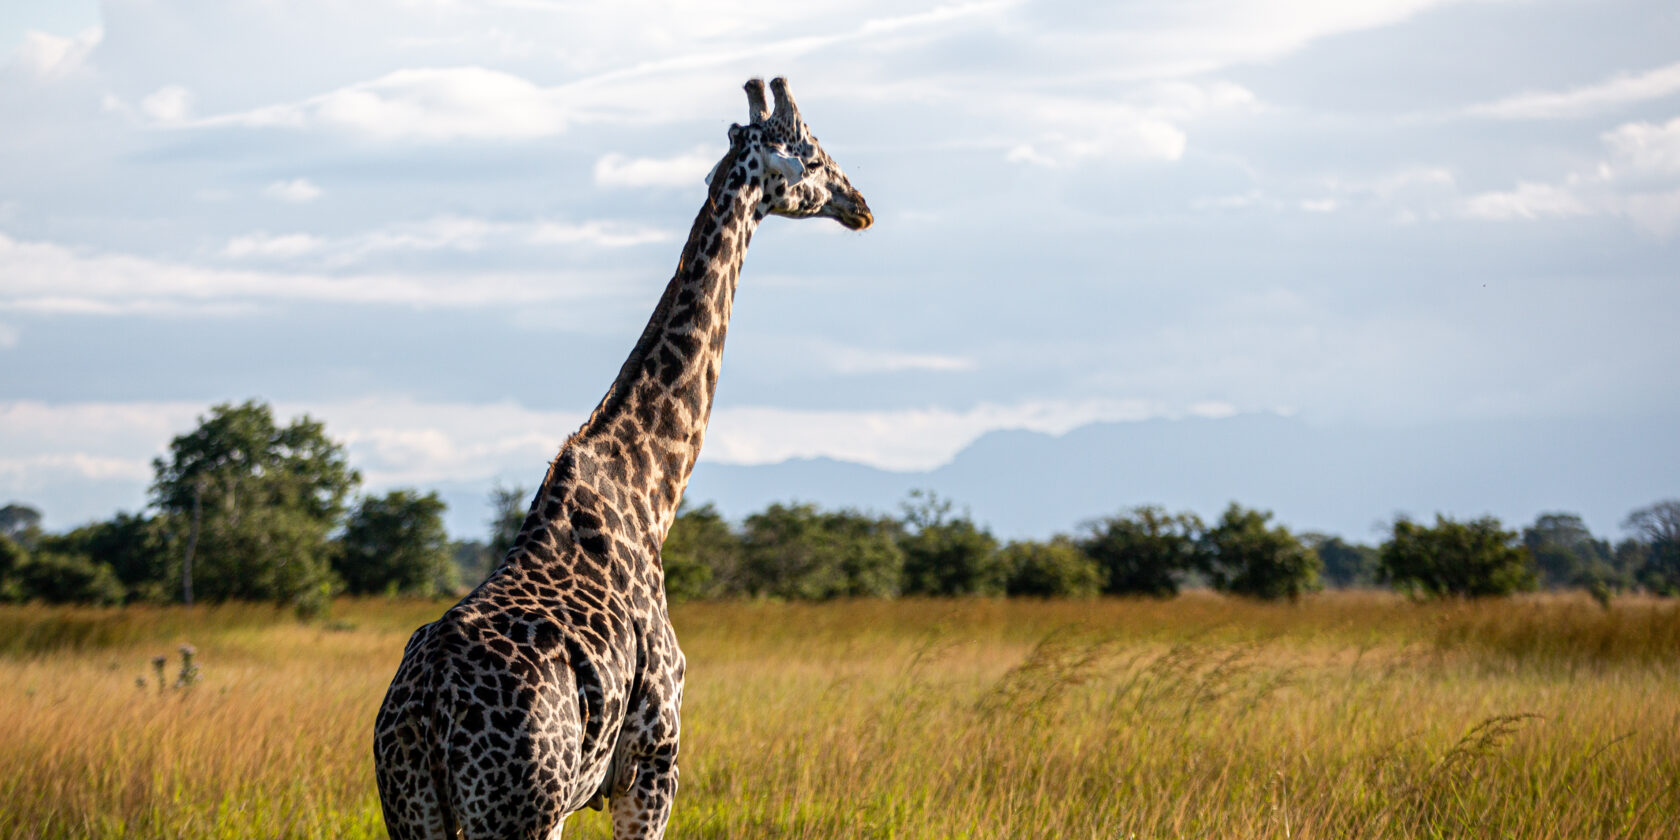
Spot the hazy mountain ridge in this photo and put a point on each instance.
(1343, 480)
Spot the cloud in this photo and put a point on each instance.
(686, 170)
(1644, 148)
(49, 56)
(8, 336)
(1638, 179)
(1143, 125)
(852, 361)
(424, 105)
(295, 191)
(441, 233)
(399, 441)
(904, 439)
(1615, 92)
(168, 104)
(1527, 201)
(285, 246)
(49, 278)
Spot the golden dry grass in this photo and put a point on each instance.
(1347, 715)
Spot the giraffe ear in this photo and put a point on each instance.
(785, 165)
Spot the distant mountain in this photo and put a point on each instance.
(1345, 480)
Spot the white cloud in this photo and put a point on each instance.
(295, 191)
(424, 104)
(8, 336)
(1527, 201)
(685, 170)
(400, 441)
(286, 246)
(1639, 180)
(1580, 101)
(861, 360)
(440, 233)
(45, 277)
(50, 56)
(905, 439)
(167, 105)
(1643, 148)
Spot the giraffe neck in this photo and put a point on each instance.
(643, 438)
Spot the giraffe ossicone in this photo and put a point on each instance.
(557, 683)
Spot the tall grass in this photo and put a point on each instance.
(1347, 715)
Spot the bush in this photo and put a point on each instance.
(396, 544)
(1242, 556)
(1467, 559)
(701, 556)
(1143, 552)
(948, 557)
(1657, 529)
(67, 579)
(1056, 569)
(1345, 564)
(797, 551)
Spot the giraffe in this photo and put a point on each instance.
(556, 684)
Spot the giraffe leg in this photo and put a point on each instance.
(642, 804)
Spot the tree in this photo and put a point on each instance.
(12, 558)
(1056, 569)
(1658, 528)
(947, 556)
(1345, 565)
(797, 551)
(269, 495)
(701, 556)
(1467, 559)
(66, 579)
(1243, 556)
(396, 544)
(508, 508)
(472, 560)
(1566, 554)
(1143, 552)
(135, 548)
(20, 523)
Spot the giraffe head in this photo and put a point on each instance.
(799, 178)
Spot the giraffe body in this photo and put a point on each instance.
(557, 683)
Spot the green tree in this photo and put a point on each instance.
(1346, 565)
(1054, 569)
(1243, 555)
(136, 548)
(1566, 554)
(20, 523)
(701, 556)
(1145, 551)
(256, 502)
(473, 562)
(508, 509)
(12, 559)
(945, 555)
(67, 579)
(797, 551)
(1657, 528)
(396, 544)
(1467, 559)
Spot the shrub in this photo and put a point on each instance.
(1056, 569)
(1468, 559)
(1143, 552)
(1242, 556)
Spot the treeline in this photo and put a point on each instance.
(244, 508)
(800, 551)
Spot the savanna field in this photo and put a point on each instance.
(1345, 715)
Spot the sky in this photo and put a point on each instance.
(438, 225)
